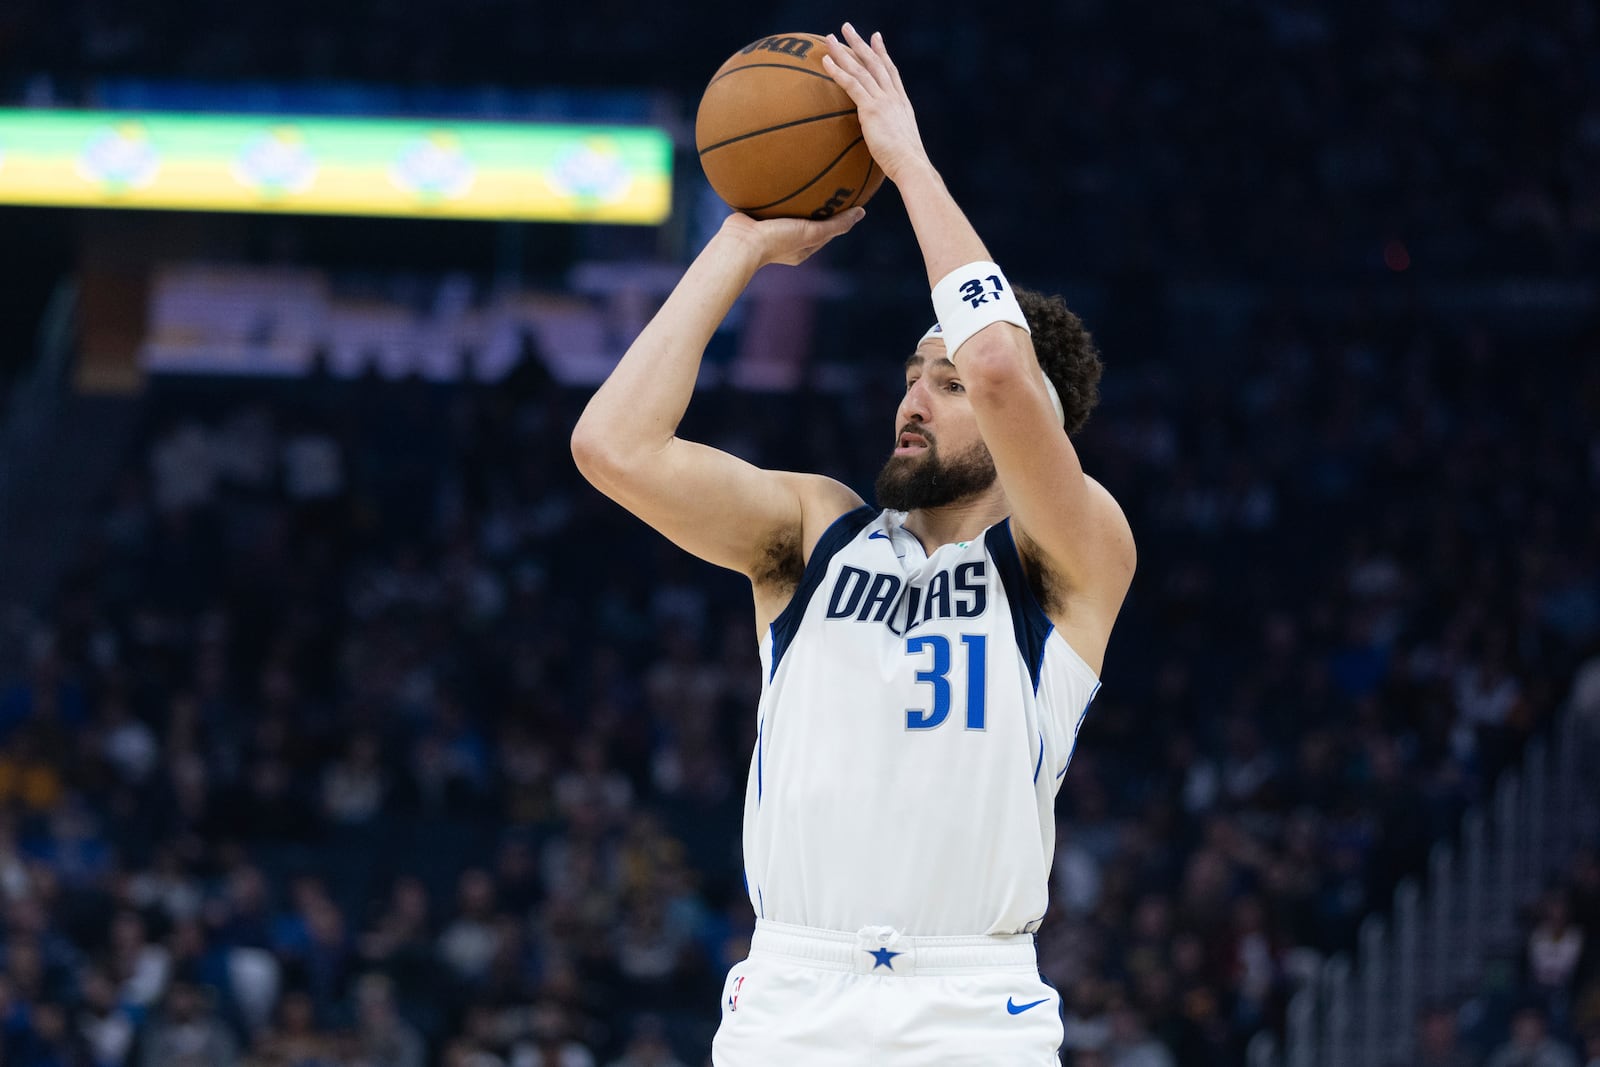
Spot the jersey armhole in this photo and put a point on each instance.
(839, 533)
(1031, 625)
(1027, 614)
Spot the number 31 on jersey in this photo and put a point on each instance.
(938, 676)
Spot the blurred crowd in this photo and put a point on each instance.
(1363, 582)
(1553, 999)
(364, 733)
(1293, 135)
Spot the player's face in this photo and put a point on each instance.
(939, 456)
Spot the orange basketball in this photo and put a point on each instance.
(778, 138)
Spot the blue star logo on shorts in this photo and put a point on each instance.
(883, 957)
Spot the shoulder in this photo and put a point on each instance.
(1085, 605)
(1106, 527)
(783, 558)
(822, 502)
(1110, 516)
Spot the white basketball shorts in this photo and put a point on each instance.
(879, 998)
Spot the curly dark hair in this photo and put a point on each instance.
(1066, 352)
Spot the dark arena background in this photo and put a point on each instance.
(342, 723)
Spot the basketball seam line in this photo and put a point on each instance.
(865, 178)
(831, 164)
(780, 126)
(780, 66)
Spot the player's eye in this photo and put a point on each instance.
(909, 383)
(956, 387)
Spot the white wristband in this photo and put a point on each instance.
(970, 298)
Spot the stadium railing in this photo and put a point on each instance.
(1441, 937)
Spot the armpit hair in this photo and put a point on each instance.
(782, 564)
(1045, 583)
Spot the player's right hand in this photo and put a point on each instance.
(791, 241)
(864, 70)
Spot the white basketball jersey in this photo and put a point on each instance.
(917, 715)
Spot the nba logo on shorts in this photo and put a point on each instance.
(733, 998)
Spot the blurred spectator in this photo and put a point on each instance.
(106, 1028)
(548, 1041)
(187, 1033)
(593, 785)
(462, 1053)
(127, 744)
(48, 1041)
(140, 965)
(647, 1047)
(1438, 1041)
(1075, 878)
(167, 888)
(353, 789)
(1087, 1025)
(296, 1041)
(470, 941)
(1531, 1044)
(402, 937)
(1555, 949)
(384, 1038)
(649, 948)
(1131, 1044)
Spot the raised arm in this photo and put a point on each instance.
(1065, 519)
(710, 503)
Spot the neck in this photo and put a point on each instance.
(963, 520)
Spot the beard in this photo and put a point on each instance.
(907, 483)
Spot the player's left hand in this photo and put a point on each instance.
(790, 241)
(864, 70)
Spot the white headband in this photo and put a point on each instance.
(1055, 398)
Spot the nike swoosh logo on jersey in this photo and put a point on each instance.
(1018, 1009)
(877, 533)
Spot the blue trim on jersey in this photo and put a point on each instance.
(1028, 619)
(1040, 764)
(838, 534)
(761, 902)
(761, 728)
(1084, 714)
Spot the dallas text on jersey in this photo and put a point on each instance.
(901, 606)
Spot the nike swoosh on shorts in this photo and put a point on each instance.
(1018, 1009)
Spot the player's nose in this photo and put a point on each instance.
(914, 405)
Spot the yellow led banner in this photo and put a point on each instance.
(335, 166)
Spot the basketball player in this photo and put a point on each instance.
(927, 663)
